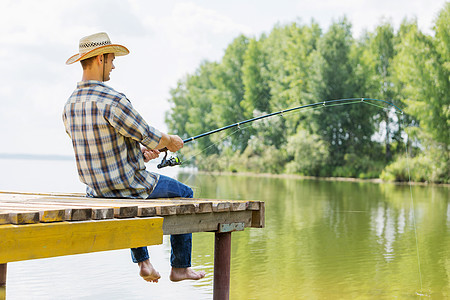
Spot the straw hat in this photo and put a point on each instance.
(94, 45)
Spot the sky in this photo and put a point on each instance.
(167, 40)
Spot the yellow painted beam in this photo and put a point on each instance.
(23, 242)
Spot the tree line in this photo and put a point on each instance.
(297, 64)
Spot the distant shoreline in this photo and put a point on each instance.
(291, 176)
(35, 156)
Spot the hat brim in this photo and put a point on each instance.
(118, 50)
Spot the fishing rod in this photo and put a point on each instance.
(174, 161)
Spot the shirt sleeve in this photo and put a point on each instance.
(128, 122)
(66, 123)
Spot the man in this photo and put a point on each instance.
(107, 134)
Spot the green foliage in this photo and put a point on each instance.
(257, 91)
(422, 69)
(309, 154)
(428, 164)
(423, 168)
(297, 64)
(262, 159)
(345, 129)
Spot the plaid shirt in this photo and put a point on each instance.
(106, 134)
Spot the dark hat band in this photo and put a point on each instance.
(94, 44)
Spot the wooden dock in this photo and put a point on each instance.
(40, 225)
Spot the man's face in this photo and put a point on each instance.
(109, 66)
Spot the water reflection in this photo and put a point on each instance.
(339, 240)
(323, 240)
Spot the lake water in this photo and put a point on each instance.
(323, 240)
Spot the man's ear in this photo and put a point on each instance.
(99, 59)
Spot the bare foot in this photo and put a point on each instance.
(148, 272)
(179, 274)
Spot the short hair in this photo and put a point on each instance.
(85, 63)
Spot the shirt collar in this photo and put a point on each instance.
(89, 83)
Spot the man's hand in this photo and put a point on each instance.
(149, 154)
(172, 142)
(175, 143)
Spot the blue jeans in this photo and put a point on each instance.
(180, 256)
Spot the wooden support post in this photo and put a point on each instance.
(2, 281)
(2, 275)
(222, 255)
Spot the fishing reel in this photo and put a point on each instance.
(171, 162)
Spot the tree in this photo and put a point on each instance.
(297, 64)
(192, 101)
(423, 69)
(257, 90)
(382, 46)
(346, 129)
(227, 108)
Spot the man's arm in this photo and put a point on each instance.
(171, 142)
(128, 122)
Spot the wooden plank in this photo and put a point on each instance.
(121, 209)
(72, 213)
(203, 207)
(4, 217)
(238, 205)
(221, 206)
(253, 205)
(52, 215)
(183, 209)
(23, 217)
(45, 215)
(102, 213)
(200, 205)
(166, 210)
(126, 208)
(78, 210)
(178, 224)
(146, 211)
(258, 216)
(97, 212)
(147, 207)
(78, 213)
(65, 238)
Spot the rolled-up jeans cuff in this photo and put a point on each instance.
(139, 254)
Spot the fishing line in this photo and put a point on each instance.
(413, 212)
(200, 152)
(313, 106)
(316, 106)
(213, 144)
(288, 112)
(411, 196)
(323, 103)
